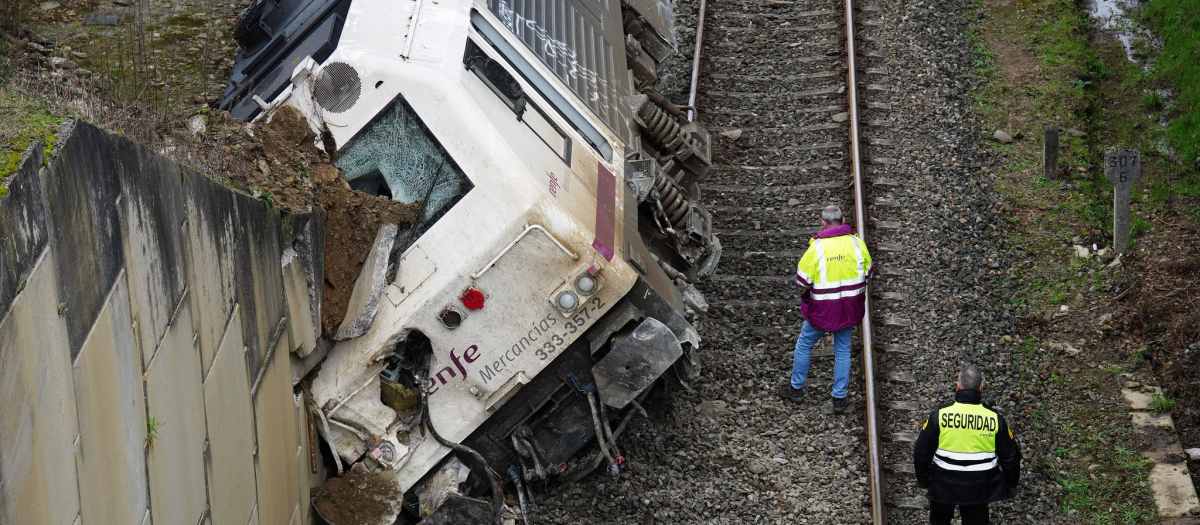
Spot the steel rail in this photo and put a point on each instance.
(875, 463)
(691, 105)
(875, 466)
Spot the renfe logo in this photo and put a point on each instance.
(436, 381)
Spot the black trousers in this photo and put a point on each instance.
(942, 513)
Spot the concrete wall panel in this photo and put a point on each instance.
(38, 425)
(275, 408)
(25, 227)
(210, 216)
(112, 417)
(175, 399)
(198, 311)
(82, 189)
(230, 419)
(304, 261)
(152, 213)
(302, 330)
(259, 266)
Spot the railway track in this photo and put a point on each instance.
(793, 169)
(773, 88)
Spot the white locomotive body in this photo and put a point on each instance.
(547, 283)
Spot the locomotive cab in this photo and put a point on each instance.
(547, 282)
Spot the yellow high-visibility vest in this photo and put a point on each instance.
(835, 262)
(966, 437)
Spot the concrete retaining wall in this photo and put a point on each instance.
(136, 295)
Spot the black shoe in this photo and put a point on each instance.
(791, 394)
(840, 404)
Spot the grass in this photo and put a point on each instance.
(26, 121)
(152, 426)
(1177, 23)
(1052, 71)
(141, 79)
(1162, 404)
(1098, 99)
(1104, 480)
(147, 75)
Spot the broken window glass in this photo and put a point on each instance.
(396, 155)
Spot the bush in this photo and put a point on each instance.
(13, 14)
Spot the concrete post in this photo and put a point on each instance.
(1050, 152)
(1122, 167)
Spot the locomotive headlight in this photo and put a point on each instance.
(567, 301)
(586, 284)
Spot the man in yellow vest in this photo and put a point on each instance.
(833, 273)
(966, 455)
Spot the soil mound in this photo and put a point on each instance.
(358, 498)
(277, 162)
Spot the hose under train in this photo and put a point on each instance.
(487, 473)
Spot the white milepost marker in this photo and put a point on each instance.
(1122, 167)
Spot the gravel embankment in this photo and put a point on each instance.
(734, 452)
(949, 245)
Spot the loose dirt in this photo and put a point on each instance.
(278, 163)
(1164, 313)
(274, 160)
(354, 219)
(358, 498)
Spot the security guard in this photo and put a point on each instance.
(966, 455)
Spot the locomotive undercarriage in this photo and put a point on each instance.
(592, 390)
(665, 172)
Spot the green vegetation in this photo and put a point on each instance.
(135, 79)
(1094, 458)
(263, 196)
(1177, 23)
(1093, 492)
(1045, 66)
(26, 121)
(1055, 72)
(1163, 404)
(1099, 473)
(152, 426)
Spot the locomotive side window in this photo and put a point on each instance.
(574, 118)
(496, 78)
(396, 155)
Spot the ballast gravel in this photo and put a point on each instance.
(733, 451)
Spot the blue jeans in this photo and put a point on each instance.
(841, 358)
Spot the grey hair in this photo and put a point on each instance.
(831, 214)
(970, 378)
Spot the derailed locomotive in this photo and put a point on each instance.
(549, 279)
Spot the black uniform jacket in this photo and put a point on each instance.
(966, 487)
